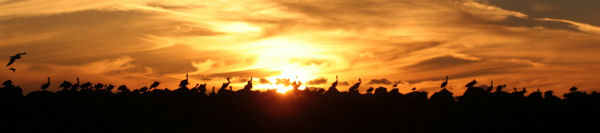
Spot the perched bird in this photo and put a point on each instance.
(12, 69)
(355, 86)
(184, 83)
(76, 85)
(98, 86)
(46, 85)
(224, 86)
(66, 84)
(471, 84)
(154, 85)
(445, 83)
(14, 58)
(370, 90)
(573, 89)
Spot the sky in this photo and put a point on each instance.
(545, 44)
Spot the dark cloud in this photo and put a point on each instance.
(317, 81)
(440, 62)
(345, 83)
(580, 11)
(380, 81)
(264, 81)
(283, 81)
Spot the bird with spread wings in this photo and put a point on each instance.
(14, 58)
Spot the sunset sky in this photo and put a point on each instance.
(546, 44)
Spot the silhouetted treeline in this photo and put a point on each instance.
(98, 107)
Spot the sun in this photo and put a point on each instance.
(281, 54)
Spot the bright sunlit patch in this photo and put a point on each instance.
(238, 28)
(292, 57)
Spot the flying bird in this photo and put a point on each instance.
(14, 58)
(12, 69)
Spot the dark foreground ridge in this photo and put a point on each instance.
(85, 108)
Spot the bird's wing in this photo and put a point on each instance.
(11, 61)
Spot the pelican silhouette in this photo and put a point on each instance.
(46, 85)
(66, 84)
(355, 86)
(335, 83)
(12, 69)
(76, 85)
(370, 90)
(445, 83)
(248, 85)
(224, 86)
(573, 89)
(471, 84)
(184, 83)
(14, 58)
(154, 85)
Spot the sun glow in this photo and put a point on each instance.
(290, 57)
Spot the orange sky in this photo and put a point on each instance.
(548, 44)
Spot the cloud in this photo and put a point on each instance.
(580, 26)
(317, 81)
(344, 83)
(380, 81)
(264, 81)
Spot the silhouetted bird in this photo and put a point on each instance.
(46, 85)
(354, 88)
(499, 88)
(154, 85)
(248, 86)
(123, 89)
(98, 86)
(296, 84)
(143, 89)
(76, 85)
(414, 89)
(332, 89)
(212, 92)
(184, 83)
(491, 87)
(86, 85)
(110, 87)
(370, 90)
(445, 83)
(573, 89)
(224, 86)
(14, 58)
(12, 69)
(65, 85)
(471, 84)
